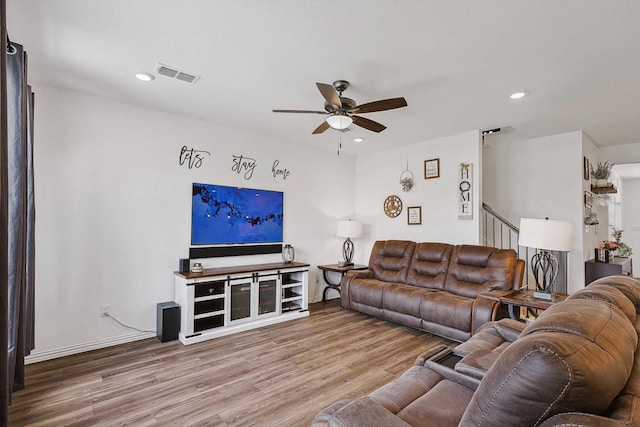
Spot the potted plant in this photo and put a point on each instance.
(624, 250)
(601, 173)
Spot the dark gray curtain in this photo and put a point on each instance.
(17, 216)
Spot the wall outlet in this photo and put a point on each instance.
(105, 310)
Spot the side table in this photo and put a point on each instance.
(335, 268)
(525, 299)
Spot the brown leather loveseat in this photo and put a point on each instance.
(434, 287)
(577, 364)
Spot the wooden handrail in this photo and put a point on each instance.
(488, 208)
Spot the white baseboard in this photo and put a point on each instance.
(37, 356)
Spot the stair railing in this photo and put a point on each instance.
(498, 232)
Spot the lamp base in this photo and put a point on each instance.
(344, 264)
(542, 295)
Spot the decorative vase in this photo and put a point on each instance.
(602, 183)
(288, 253)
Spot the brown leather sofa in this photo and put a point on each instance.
(434, 287)
(577, 364)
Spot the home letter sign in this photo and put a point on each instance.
(465, 191)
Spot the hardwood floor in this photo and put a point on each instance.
(277, 375)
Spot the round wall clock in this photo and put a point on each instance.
(392, 206)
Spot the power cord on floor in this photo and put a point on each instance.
(127, 326)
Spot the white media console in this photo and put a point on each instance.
(226, 300)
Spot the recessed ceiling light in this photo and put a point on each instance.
(145, 77)
(518, 95)
(358, 139)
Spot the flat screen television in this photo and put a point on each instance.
(235, 215)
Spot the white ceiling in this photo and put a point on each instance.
(454, 61)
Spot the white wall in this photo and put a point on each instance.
(619, 154)
(537, 178)
(378, 176)
(595, 235)
(631, 221)
(113, 209)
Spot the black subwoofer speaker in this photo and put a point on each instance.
(168, 321)
(183, 265)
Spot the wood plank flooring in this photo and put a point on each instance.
(277, 375)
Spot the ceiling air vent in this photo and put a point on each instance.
(165, 70)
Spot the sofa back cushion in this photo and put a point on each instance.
(390, 260)
(610, 294)
(577, 356)
(429, 265)
(629, 286)
(477, 269)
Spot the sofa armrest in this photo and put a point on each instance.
(580, 419)
(487, 308)
(509, 329)
(345, 295)
(431, 353)
(363, 412)
(518, 274)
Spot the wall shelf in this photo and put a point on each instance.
(609, 189)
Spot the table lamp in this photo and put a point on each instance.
(546, 235)
(349, 229)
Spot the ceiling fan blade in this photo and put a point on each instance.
(300, 111)
(330, 95)
(368, 124)
(382, 105)
(323, 126)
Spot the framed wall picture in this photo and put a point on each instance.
(601, 255)
(588, 199)
(414, 215)
(432, 168)
(585, 168)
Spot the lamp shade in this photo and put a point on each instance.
(339, 121)
(349, 228)
(546, 234)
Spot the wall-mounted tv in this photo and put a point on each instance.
(232, 215)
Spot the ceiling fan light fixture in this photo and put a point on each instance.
(339, 121)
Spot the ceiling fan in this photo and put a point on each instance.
(342, 111)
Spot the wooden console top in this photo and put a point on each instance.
(239, 269)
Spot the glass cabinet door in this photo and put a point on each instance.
(240, 304)
(267, 292)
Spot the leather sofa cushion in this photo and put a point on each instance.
(390, 260)
(556, 366)
(367, 291)
(429, 265)
(446, 309)
(442, 407)
(477, 269)
(403, 299)
(397, 394)
(609, 294)
(625, 284)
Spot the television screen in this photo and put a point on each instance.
(227, 215)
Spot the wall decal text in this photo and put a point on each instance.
(279, 172)
(244, 164)
(192, 157)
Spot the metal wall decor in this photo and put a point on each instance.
(392, 206)
(406, 179)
